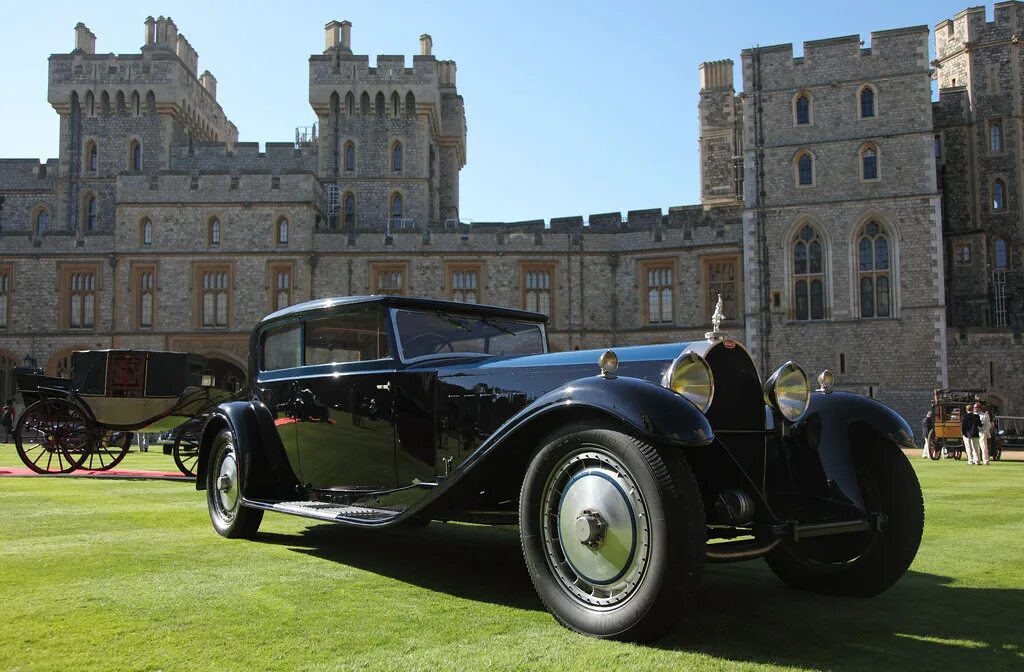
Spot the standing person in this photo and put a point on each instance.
(7, 419)
(985, 431)
(926, 429)
(970, 428)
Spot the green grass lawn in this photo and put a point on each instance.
(129, 575)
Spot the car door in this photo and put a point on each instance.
(279, 363)
(345, 403)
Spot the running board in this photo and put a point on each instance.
(327, 511)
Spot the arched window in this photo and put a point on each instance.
(350, 104)
(867, 102)
(396, 104)
(105, 103)
(136, 104)
(350, 156)
(92, 158)
(873, 269)
(147, 231)
(805, 169)
(350, 211)
(213, 231)
(42, 222)
(869, 163)
(282, 231)
(808, 275)
(396, 157)
(90, 212)
(998, 195)
(995, 137)
(396, 206)
(90, 104)
(803, 109)
(1000, 253)
(120, 103)
(364, 104)
(135, 155)
(410, 104)
(379, 104)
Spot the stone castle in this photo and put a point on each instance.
(847, 220)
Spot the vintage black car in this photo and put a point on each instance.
(626, 470)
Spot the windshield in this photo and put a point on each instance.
(423, 333)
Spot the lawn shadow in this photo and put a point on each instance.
(743, 613)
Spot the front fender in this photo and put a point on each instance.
(835, 426)
(262, 461)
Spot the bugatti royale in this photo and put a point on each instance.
(626, 469)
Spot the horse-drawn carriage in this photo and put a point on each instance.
(946, 438)
(88, 421)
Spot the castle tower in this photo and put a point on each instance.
(721, 133)
(392, 138)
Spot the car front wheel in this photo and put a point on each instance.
(224, 491)
(862, 564)
(613, 534)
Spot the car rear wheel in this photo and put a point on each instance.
(862, 564)
(613, 534)
(224, 491)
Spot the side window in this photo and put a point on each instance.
(282, 348)
(353, 337)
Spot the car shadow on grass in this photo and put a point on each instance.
(743, 613)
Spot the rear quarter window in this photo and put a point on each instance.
(282, 348)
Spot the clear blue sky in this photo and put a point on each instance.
(572, 107)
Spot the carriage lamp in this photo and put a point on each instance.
(609, 363)
(825, 381)
(690, 375)
(788, 391)
(29, 362)
(208, 380)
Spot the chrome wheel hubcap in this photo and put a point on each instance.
(595, 528)
(227, 482)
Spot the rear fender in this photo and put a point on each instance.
(262, 461)
(837, 424)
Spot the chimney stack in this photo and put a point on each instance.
(85, 40)
(150, 31)
(346, 37)
(209, 83)
(426, 44)
(338, 35)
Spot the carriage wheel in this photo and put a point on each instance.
(53, 436)
(186, 449)
(107, 451)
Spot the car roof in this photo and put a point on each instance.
(317, 305)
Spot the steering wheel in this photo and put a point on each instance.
(427, 344)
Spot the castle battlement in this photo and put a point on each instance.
(970, 28)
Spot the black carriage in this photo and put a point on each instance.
(87, 422)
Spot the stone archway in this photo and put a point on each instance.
(227, 372)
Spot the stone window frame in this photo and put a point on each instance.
(350, 104)
(396, 143)
(90, 222)
(1000, 182)
(644, 266)
(389, 205)
(821, 233)
(810, 108)
(938, 142)
(134, 144)
(962, 252)
(378, 268)
(396, 105)
(90, 157)
(214, 235)
(6, 295)
(864, 148)
(279, 240)
(347, 167)
(893, 271)
(198, 294)
(450, 268)
(138, 271)
(710, 299)
(992, 79)
(995, 129)
(144, 240)
(1005, 240)
(65, 273)
(538, 266)
(40, 209)
(273, 269)
(89, 106)
(136, 104)
(797, 156)
(859, 98)
(350, 193)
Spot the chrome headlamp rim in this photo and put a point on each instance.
(690, 358)
(771, 389)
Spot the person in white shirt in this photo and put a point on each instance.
(985, 435)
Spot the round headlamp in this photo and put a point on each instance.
(691, 377)
(788, 391)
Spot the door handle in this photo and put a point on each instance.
(386, 386)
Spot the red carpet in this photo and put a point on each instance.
(113, 473)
